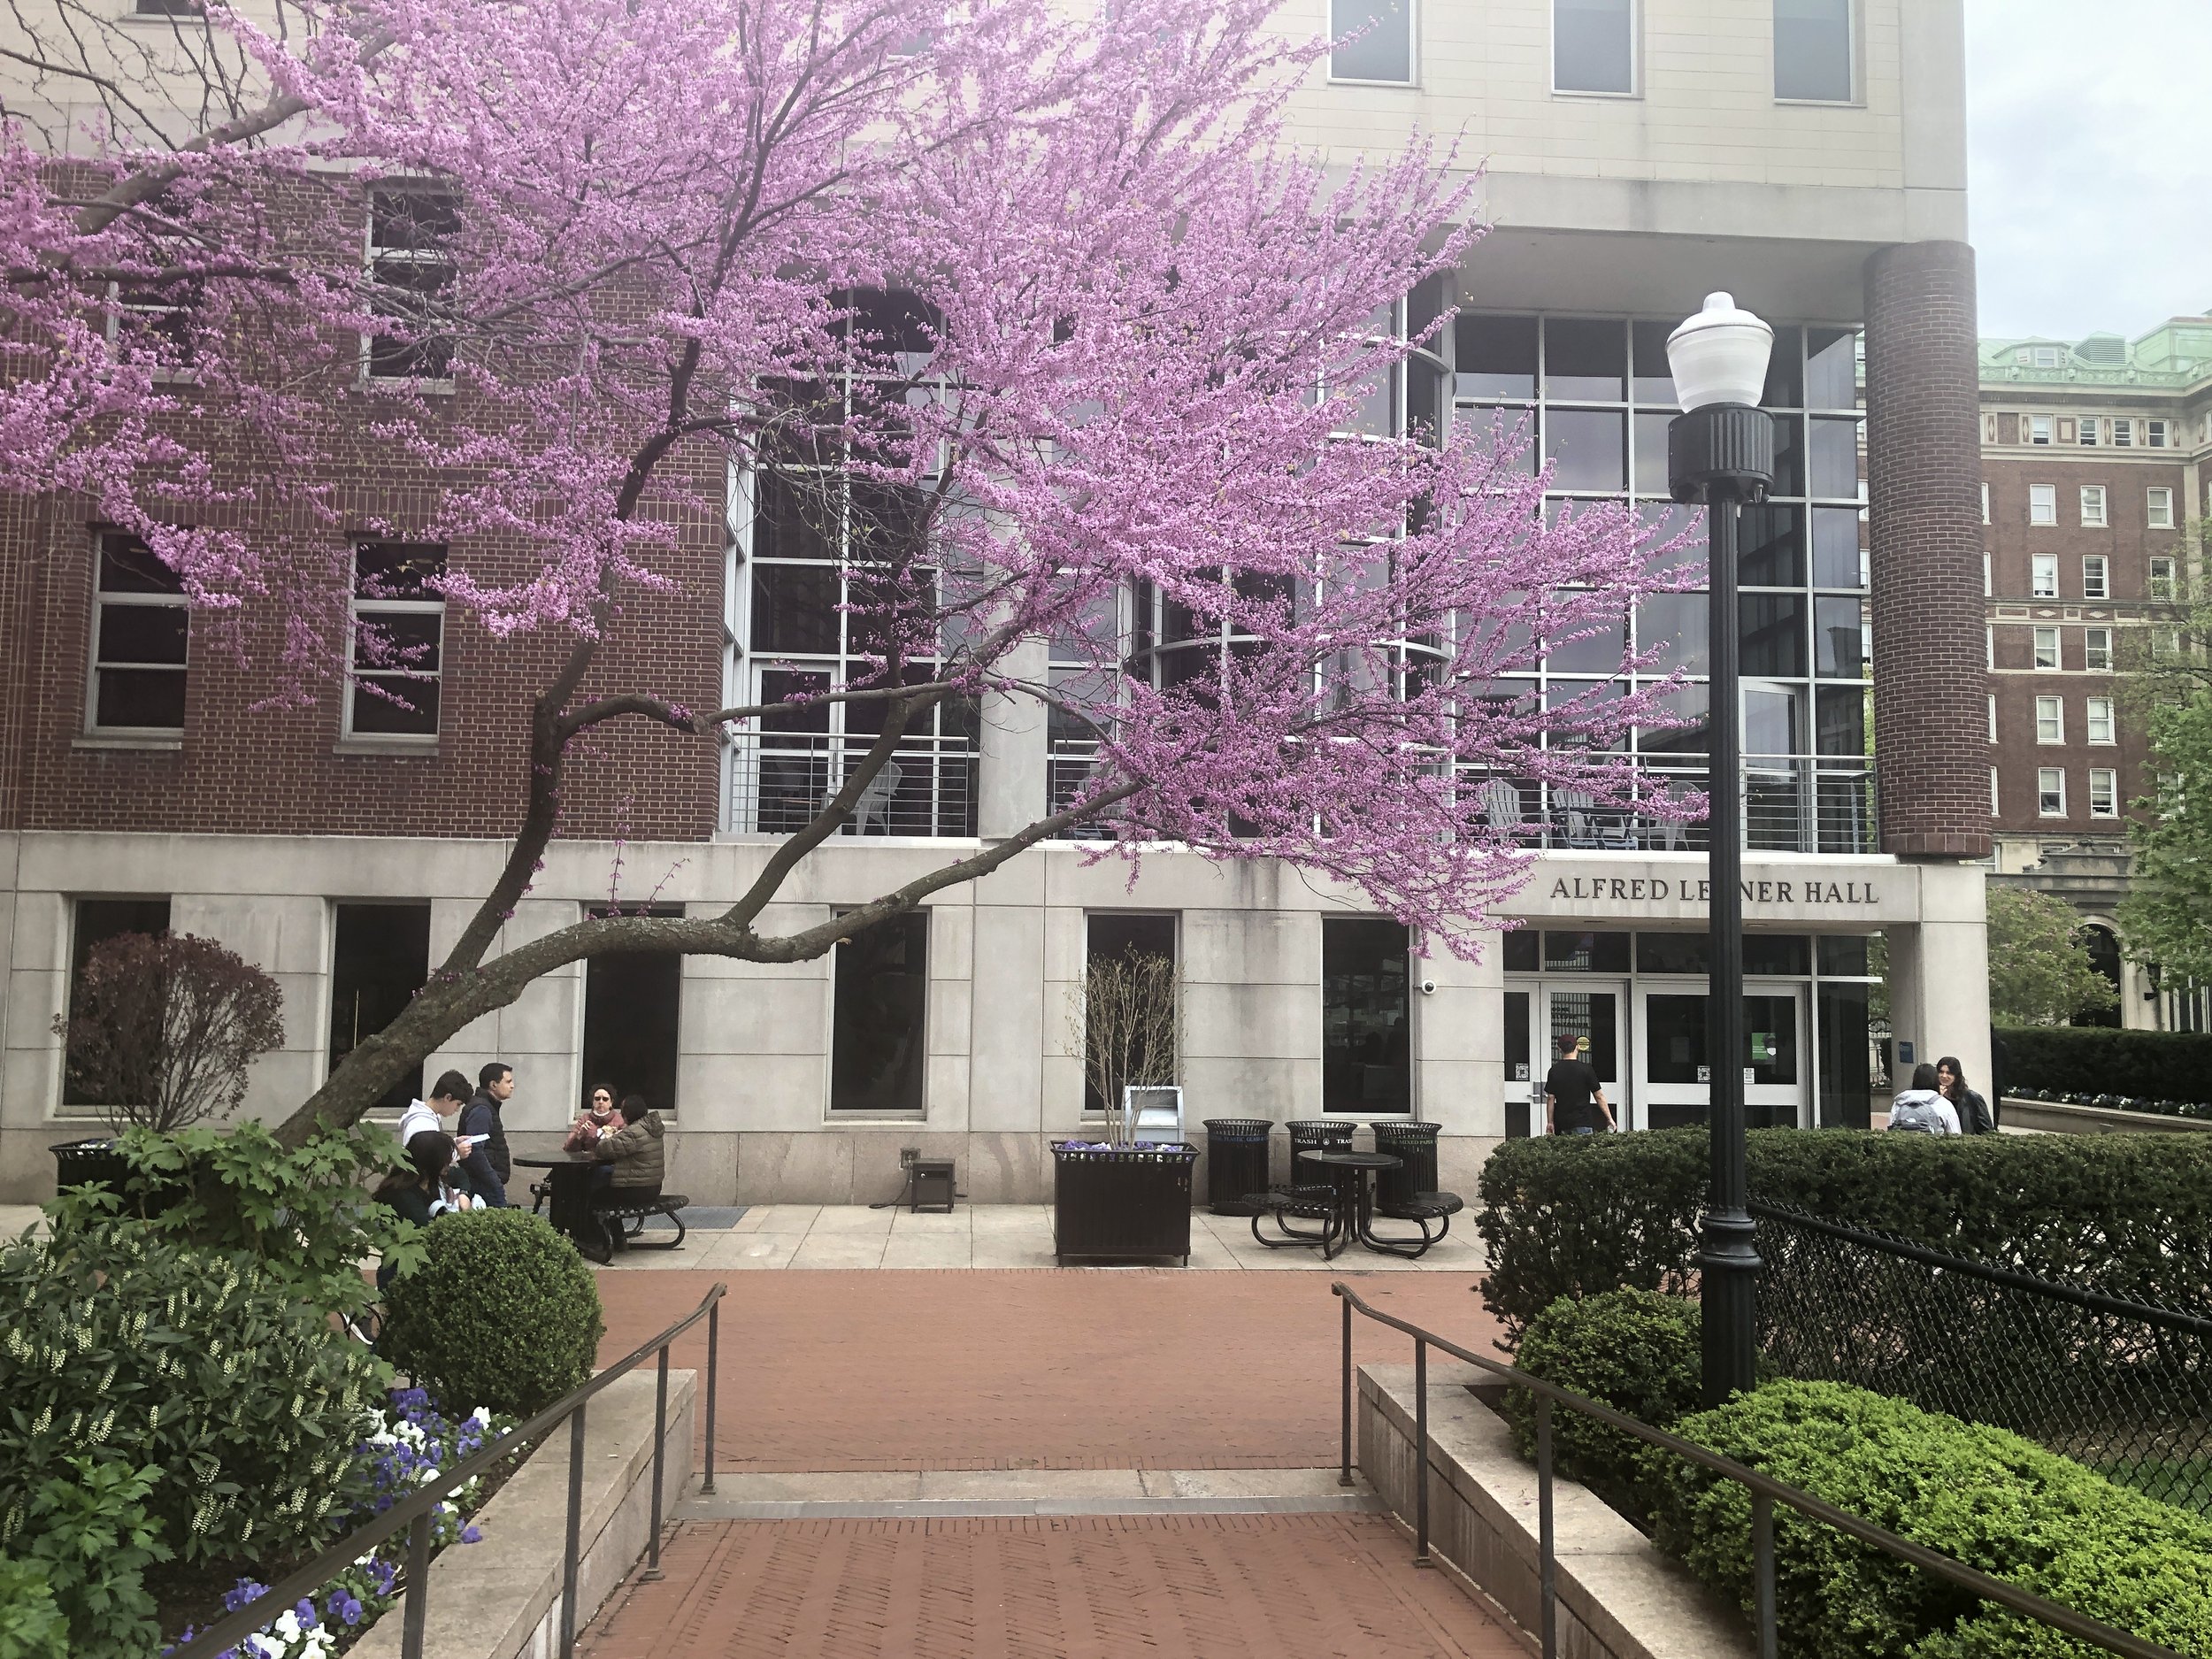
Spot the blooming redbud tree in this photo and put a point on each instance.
(1033, 316)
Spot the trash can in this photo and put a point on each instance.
(1236, 1164)
(1414, 1145)
(1316, 1134)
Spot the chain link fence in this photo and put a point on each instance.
(2122, 1386)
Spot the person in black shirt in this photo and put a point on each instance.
(1574, 1100)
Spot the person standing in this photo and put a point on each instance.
(1574, 1099)
(1922, 1110)
(1973, 1111)
(447, 1095)
(488, 1164)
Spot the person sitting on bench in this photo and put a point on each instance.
(638, 1152)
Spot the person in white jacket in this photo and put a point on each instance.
(447, 1095)
(1922, 1110)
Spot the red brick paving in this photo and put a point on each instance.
(1282, 1587)
(826, 1370)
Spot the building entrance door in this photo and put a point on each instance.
(1587, 1008)
(1676, 1070)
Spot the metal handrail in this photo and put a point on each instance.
(1764, 1489)
(1989, 1272)
(418, 1510)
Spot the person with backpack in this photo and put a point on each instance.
(1973, 1111)
(1922, 1110)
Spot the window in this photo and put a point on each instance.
(1993, 790)
(877, 1040)
(1812, 49)
(2122, 433)
(1366, 1015)
(2159, 513)
(1985, 520)
(1989, 646)
(2104, 792)
(2098, 718)
(154, 318)
(380, 958)
(2046, 647)
(2096, 580)
(165, 8)
(1986, 589)
(2044, 575)
(2042, 504)
(2089, 426)
(2050, 792)
(411, 267)
(633, 1001)
(2093, 516)
(98, 921)
(2050, 719)
(2153, 434)
(2161, 584)
(139, 627)
(398, 641)
(2096, 647)
(1593, 46)
(2039, 429)
(1384, 53)
(1145, 1036)
(1993, 716)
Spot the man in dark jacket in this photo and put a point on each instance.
(488, 1164)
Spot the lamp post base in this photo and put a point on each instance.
(1728, 1287)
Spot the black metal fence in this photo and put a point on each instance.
(415, 1514)
(1765, 1491)
(2124, 1387)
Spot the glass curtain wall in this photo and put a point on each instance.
(1594, 398)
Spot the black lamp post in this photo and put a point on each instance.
(1720, 453)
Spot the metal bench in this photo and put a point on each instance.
(625, 1216)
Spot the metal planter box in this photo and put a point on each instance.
(1128, 1202)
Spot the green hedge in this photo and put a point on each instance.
(1978, 1494)
(1577, 1216)
(2094, 1060)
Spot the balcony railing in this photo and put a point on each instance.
(780, 781)
(1800, 803)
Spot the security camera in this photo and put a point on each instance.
(1428, 987)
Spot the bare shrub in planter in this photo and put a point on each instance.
(163, 1027)
(1127, 1017)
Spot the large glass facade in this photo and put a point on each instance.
(1593, 397)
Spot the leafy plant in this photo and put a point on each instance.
(1634, 1350)
(126, 1346)
(302, 1213)
(1978, 1494)
(2040, 972)
(503, 1313)
(162, 1027)
(89, 1539)
(31, 1624)
(2129, 1215)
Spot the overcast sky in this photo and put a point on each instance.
(2090, 169)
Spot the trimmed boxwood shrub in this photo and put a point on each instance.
(1980, 1496)
(2095, 1060)
(2129, 1215)
(501, 1313)
(1634, 1350)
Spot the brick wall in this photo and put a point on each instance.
(1924, 471)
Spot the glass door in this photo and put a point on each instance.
(1676, 1070)
(1592, 1009)
(1520, 1064)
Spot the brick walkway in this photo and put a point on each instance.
(1288, 1586)
(1030, 1370)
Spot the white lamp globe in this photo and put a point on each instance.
(1720, 355)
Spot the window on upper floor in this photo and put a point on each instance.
(2122, 433)
(2096, 577)
(1593, 46)
(1993, 716)
(398, 641)
(2158, 510)
(2155, 434)
(411, 269)
(2096, 647)
(1985, 520)
(2043, 503)
(139, 628)
(1813, 50)
(2097, 717)
(2104, 792)
(2162, 585)
(1987, 588)
(2050, 719)
(2050, 791)
(1993, 790)
(2039, 429)
(2046, 647)
(1384, 50)
(2089, 426)
(2043, 577)
(2092, 506)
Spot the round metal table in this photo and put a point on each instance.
(568, 1203)
(1351, 1176)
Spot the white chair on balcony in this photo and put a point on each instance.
(875, 804)
(1500, 804)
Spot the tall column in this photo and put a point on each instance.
(1939, 975)
(1011, 767)
(1923, 479)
